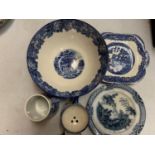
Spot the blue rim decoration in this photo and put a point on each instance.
(138, 127)
(141, 49)
(57, 27)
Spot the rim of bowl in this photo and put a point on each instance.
(87, 88)
(26, 103)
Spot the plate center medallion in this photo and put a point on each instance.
(121, 59)
(69, 64)
(115, 112)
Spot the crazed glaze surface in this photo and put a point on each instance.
(46, 47)
(116, 109)
(130, 62)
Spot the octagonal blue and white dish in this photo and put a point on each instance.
(67, 58)
(116, 110)
(128, 58)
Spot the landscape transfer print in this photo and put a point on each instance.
(115, 115)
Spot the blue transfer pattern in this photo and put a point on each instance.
(104, 114)
(121, 59)
(141, 49)
(55, 104)
(69, 64)
(57, 27)
(113, 118)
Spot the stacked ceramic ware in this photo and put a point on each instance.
(70, 59)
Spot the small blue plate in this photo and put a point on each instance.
(128, 58)
(116, 109)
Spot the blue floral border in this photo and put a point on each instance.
(141, 49)
(56, 27)
(138, 127)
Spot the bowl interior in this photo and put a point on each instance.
(37, 108)
(68, 61)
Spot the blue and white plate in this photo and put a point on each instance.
(128, 58)
(67, 58)
(116, 109)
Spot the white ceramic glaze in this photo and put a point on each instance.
(60, 42)
(37, 108)
(67, 58)
(74, 118)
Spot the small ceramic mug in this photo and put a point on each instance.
(38, 107)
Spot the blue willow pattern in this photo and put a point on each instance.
(121, 120)
(57, 27)
(111, 116)
(142, 65)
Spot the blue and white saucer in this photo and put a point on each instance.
(67, 58)
(128, 58)
(116, 109)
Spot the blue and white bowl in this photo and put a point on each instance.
(116, 109)
(128, 58)
(67, 58)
